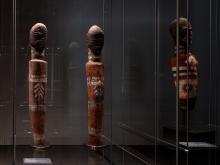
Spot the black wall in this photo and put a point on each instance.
(139, 92)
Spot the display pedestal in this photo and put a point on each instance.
(37, 161)
(39, 157)
(194, 135)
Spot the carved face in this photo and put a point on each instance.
(185, 31)
(38, 37)
(95, 37)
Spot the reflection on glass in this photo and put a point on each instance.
(188, 76)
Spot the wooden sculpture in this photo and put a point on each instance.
(188, 75)
(38, 83)
(95, 85)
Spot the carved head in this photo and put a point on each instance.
(185, 31)
(95, 38)
(38, 37)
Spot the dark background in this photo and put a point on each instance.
(139, 92)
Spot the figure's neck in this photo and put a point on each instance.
(93, 58)
(37, 55)
(182, 49)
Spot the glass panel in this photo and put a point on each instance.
(133, 108)
(6, 83)
(167, 112)
(215, 116)
(159, 107)
(66, 54)
(203, 119)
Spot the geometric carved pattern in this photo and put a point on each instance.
(39, 91)
(99, 89)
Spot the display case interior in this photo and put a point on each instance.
(109, 82)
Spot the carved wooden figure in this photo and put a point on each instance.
(188, 75)
(38, 83)
(95, 85)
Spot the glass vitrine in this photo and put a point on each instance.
(160, 81)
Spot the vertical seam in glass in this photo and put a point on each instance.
(103, 53)
(111, 110)
(177, 84)
(14, 81)
(155, 76)
(123, 68)
(103, 14)
(187, 102)
(111, 74)
(123, 157)
(52, 75)
(210, 60)
(210, 63)
(1, 18)
(216, 52)
(123, 46)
